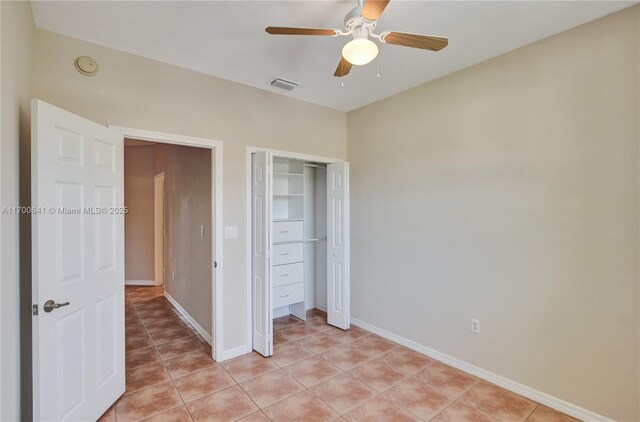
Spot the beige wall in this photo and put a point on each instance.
(188, 256)
(139, 170)
(136, 92)
(509, 192)
(506, 192)
(15, 91)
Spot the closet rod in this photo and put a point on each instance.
(313, 165)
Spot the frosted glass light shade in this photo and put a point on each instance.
(360, 51)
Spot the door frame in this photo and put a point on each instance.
(248, 167)
(216, 215)
(158, 234)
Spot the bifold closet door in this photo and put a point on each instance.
(262, 323)
(338, 244)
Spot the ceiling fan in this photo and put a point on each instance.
(360, 23)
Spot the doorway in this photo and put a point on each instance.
(217, 264)
(298, 241)
(191, 222)
(78, 269)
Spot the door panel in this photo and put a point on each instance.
(262, 324)
(338, 310)
(78, 257)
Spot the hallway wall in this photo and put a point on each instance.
(139, 170)
(188, 254)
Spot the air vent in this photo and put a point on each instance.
(282, 84)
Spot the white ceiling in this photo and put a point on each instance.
(227, 38)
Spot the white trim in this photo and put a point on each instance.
(282, 311)
(235, 352)
(506, 383)
(189, 318)
(216, 206)
(139, 283)
(249, 255)
(278, 153)
(295, 155)
(158, 235)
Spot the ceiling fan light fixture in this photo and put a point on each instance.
(360, 51)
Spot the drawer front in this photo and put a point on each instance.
(288, 274)
(288, 253)
(287, 295)
(287, 231)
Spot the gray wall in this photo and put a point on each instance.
(509, 192)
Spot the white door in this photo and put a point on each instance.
(78, 265)
(338, 312)
(260, 250)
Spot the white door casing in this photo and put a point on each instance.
(78, 257)
(158, 228)
(260, 249)
(338, 302)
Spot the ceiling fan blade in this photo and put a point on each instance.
(343, 69)
(426, 42)
(372, 9)
(280, 30)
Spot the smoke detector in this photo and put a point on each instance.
(283, 84)
(86, 66)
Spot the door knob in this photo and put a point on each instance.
(50, 305)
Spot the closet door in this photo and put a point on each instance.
(261, 266)
(338, 245)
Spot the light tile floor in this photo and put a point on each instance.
(317, 373)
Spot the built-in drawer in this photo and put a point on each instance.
(287, 231)
(288, 274)
(287, 295)
(288, 253)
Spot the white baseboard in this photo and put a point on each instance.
(139, 283)
(284, 310)
(506, 383)
(234, 353)
(189, 318)
(280, 312)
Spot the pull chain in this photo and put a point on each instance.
(378, 74)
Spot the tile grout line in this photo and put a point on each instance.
(173, 379)
(300, 342)
(163, 361)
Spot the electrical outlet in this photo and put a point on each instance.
(173, 276)
(475, 326)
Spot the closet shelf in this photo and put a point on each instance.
(279, 173)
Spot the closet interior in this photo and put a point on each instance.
(299, 237)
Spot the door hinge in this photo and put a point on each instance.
(34, 309)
